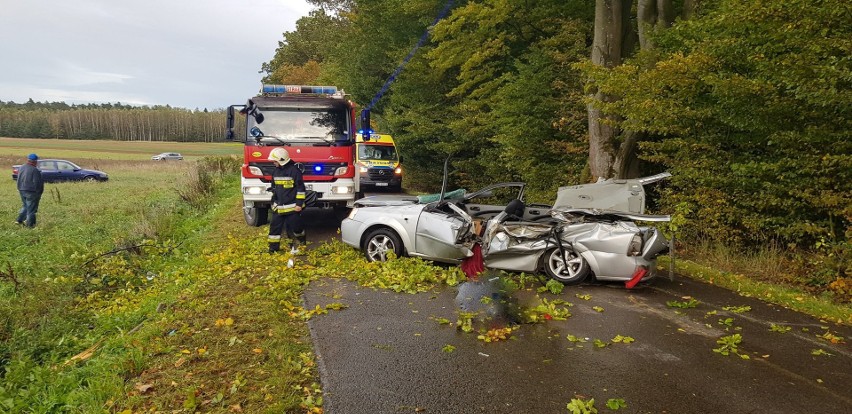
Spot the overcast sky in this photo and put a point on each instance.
(184, 53)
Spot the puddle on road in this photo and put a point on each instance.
(487, 302)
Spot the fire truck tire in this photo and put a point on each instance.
(256, 216)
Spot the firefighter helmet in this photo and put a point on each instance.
(280, 156)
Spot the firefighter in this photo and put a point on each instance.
(288, 199)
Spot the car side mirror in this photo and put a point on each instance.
(400, 158)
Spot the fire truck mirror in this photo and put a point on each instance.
(229, 130)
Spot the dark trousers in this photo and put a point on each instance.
(27, 214)
(295, 230)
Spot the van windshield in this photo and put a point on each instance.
(377, 152)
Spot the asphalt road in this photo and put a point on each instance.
(384, 353)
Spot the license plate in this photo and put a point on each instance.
(309, 187)
(381, 184)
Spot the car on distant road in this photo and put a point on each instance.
(62, 170)
(167, 156)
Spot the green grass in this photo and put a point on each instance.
(748, 285)
(74, 150)
(53, 306)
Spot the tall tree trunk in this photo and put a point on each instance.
(652, 14)
(611, 44)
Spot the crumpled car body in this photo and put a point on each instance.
(591, 230)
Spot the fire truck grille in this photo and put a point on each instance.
(308, 168)
(380, 174)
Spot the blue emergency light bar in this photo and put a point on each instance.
(305, 89)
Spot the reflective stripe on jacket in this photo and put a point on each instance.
(288, 188)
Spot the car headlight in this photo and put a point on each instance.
(635, 247)
(398, 170)
(352, 214)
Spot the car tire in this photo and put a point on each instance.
(575, 271)
(379, 242)
(256, 216)
(90, 178)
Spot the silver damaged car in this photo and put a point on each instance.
(590, 231)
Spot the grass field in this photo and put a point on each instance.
(81, 151)
(132, 296)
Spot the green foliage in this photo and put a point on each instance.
(691, 303)
(110, 122)
(779, 328)
(552, 286)
(751, 98)
(580, 406)
(616, 404)
(730, 345)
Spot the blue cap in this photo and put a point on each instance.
(32, 157)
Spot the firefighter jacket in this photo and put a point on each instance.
(288, 189)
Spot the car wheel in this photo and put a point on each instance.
(90, 178)
(379, 242)
(256, 216)
(571, 271)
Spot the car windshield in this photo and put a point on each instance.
(377, 152)
(295, 125)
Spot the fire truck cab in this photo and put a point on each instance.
(316, 124)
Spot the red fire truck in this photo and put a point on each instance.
(316, 124)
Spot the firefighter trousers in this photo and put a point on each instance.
(295, 230)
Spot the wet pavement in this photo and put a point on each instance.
(385, 354)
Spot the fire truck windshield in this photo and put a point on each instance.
(294, 126)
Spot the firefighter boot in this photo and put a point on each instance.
(274, 247)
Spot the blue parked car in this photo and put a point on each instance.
(61, 170)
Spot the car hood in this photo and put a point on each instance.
(386, 200)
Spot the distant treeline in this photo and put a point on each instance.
(109, 121)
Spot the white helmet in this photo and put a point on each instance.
(280, 156)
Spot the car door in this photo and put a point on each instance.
(49, 173)
(439, 230)
(67, 172)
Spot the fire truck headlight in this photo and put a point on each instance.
(255, 170)
(345, 189)
(341, 171)
(254, 190)
(398, 170)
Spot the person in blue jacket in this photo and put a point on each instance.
(288, 199)
(31, 186)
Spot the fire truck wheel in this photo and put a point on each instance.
(256, 216)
